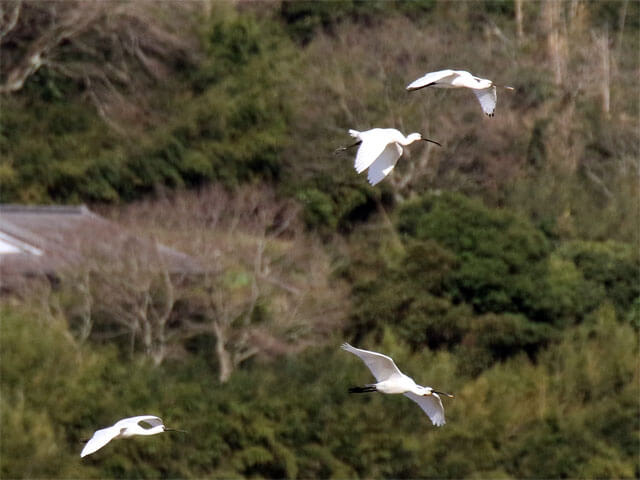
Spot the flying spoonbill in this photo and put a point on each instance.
(484, 89)
(127, 427)
(392, 380)
(380, 150)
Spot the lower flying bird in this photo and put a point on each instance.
(392, 380)
(127, 427)
(380, 149)
(484, 89)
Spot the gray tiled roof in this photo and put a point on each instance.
(72, 237)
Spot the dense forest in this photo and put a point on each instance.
(503, 266)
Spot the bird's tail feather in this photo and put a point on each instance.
(365, 389)
(354, 133)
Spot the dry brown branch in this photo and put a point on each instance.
(9, 20)
(99, 45)
(518, 12)
(266, 286)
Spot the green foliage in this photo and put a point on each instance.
(306, 18)
(609, 14)
(614, 267)
(483, 282)
(294, 418)
(520, 293)
(499, 253)
(492, 338)
(224, 126)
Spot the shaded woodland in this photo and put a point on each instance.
(503, 267)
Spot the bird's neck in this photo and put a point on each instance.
(409, 139)
(150, 431)
(420, 390)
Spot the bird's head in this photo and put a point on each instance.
(483, 83)
(414, 137)
(426, 391)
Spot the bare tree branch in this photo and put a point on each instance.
(9, 23)
(96, 44)
(259, 255)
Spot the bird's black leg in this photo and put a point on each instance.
(365, 389)
(342, 149)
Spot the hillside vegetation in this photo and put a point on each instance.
(503, 267)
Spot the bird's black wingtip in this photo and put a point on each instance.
(365, 389)
(411, 89)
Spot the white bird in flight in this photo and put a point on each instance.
(380, 150)
(127, 427)
(484, 89)
(392, 380)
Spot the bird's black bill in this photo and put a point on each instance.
(432, 141)
(365, 389)
(450, 395)
(343, 149)
(175, 430)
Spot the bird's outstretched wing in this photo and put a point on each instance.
(381, 366)
(385, 162)
(151, 420)
(432, 406)
(487, 99)
(100, 439)
(444, 76)
(372, 147)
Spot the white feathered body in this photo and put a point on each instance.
(125, 428)
(399, 384)
(391, 380)
(484, 89)
(380, 150)
(451, 79)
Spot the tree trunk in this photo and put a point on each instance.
(606, 71)
(87, 305)
(518, 7)
(551, 19)
(225, 362)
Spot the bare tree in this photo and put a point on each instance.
(555, 38)
(518, 11)
(266, 287)
(605, 79)
(105, 47)
(134, 292)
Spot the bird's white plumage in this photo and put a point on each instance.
(431, 405)
(484, 89)
(380, 149)
(373, 145)
(444, 77)
(391, 380)
(99, 439)
(126, 427)
(152, 420)
(487, 99)
(381, 366)
(385, 162)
